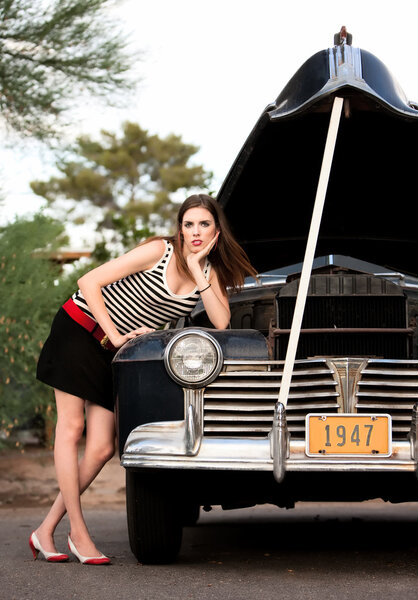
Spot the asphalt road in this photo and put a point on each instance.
(316, 551)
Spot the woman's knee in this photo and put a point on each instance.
(70, 417)
(107, 452)
(100, 433)
(100, 453)
(69, 430)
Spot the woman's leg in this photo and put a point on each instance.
(100, 447)
(68, 433)
(74, 478)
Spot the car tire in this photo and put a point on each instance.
(190, 514)
(154, 522)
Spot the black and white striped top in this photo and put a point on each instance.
(144, 298)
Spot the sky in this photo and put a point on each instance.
(208, 70)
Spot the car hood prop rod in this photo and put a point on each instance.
(310, 249)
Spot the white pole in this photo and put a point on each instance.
(310, 250)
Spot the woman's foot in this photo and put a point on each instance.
(50, 556)
(46, 539)
(97, 558)
(83, 542)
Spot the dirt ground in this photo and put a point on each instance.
(28, 479)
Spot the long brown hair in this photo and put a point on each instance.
(227, 257)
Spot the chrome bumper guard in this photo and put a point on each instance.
(182, 445)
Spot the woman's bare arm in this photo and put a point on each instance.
(139, 259)
(214, 299)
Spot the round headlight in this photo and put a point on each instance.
(193, 358)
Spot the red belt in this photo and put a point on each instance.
(88, 323)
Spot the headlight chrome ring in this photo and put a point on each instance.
(193, 358)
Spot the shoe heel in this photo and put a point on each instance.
(35, 551)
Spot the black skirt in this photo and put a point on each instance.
(73, 361)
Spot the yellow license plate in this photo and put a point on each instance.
(348, 435)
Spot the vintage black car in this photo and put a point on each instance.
(203, 415)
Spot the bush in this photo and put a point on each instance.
(32, 287)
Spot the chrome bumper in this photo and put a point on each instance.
(182, 445)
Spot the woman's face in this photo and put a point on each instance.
(198, 229)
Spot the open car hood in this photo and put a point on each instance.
(369, 214)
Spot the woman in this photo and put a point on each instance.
(161, 279)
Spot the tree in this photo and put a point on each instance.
(31, 289)
(133, 179)
(53, 54)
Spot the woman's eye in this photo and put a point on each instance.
(189, 224)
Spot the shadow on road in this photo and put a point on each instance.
(323, 531)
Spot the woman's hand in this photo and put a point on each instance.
(118, 340)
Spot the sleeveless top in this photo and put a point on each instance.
(144, 298)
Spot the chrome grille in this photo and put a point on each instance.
(241, 401)
(390, 387)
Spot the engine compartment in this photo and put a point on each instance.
(348, 313)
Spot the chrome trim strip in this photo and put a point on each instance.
(279, 439)
(193, 410)
(413, 434)
(345, 63)
(255, 455)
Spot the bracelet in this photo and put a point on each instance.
(104, 341)
(204, 289)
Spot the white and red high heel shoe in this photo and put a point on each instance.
(36, 548)
(88, 560)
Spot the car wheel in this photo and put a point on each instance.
(154, 522)
(189, 514)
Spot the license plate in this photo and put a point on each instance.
(348, 435)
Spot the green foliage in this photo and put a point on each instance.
(55, 53)
(31, 289)
(132, 178)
